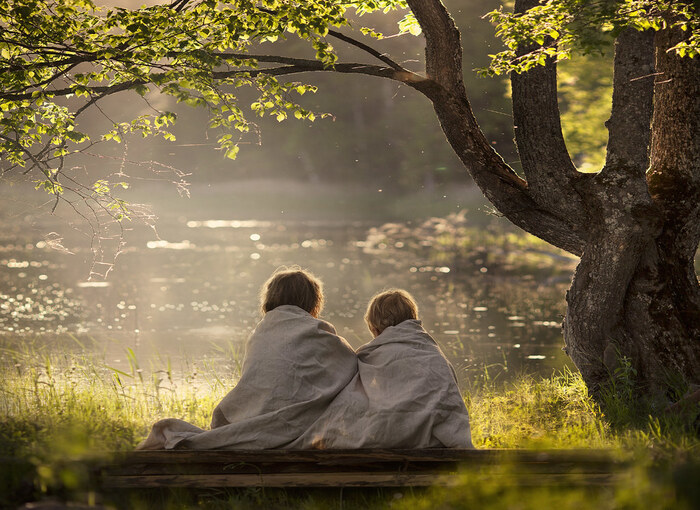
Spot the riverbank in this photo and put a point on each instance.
(57, 409)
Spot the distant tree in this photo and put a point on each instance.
(634, 300)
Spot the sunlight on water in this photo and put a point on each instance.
(182, 245)
(167, 280)
(195, 296)
(93, 285)
(229, 224)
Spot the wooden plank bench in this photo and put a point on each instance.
(353, 468)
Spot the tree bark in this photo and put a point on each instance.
(635, 294)
(622, 219)
(540, 140)
(663, 305)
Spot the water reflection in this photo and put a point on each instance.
(193, 293)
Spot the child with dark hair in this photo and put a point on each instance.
(405, 394)
(294, 366)
(294, 287)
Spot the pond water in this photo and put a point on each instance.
(190, 295)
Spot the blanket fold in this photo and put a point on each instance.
(405, 395)
(294, 367)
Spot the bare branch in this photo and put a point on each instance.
(37, 162)
(381, 56)
(179, 5)
(304, 66)
(358, 44)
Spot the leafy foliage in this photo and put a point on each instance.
(558, 28)
(60, 57)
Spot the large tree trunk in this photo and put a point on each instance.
(635, 295)
(634, 299)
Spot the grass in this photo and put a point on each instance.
(57, 410)
(553, 412)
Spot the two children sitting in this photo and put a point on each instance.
(302, 386)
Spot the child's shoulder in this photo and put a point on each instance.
(326, 326)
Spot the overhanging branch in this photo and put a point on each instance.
(354, 42)
(381, 56)
(303, 66)
(291, 66)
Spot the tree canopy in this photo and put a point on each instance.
(59, 59)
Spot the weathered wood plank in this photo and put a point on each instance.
(339, 479)
(353, 468)
(349, 456)
(326, 456)
(344, 480)
(367, 466)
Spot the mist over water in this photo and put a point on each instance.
(190, 294)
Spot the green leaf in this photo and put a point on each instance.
(232, 152)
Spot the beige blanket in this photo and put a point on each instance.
(295, 365)
(404, 395)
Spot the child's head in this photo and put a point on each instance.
(292, 286)
(390, 308)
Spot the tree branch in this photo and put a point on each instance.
(629, 126)
(443, 49)
(293, 65)
(298, 65)
(354, 42)
(37, 162)
(74, 60)
(381, 56)
(55, 76)
(445, 88)
(179, 5)
(546, 163)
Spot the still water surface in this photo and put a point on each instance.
(191, 295)
(195, 297)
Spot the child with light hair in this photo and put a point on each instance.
(405, 394)
(390, 308)
(294, 366)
